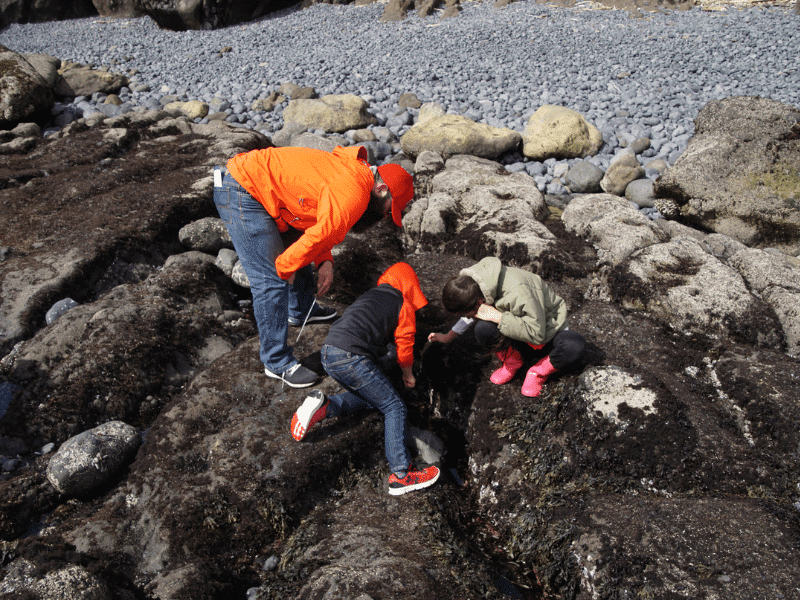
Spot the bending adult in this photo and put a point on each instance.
(285, 209)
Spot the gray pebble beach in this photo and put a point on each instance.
(645, 77)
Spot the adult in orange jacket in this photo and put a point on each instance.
(285, 209)
(355, 346)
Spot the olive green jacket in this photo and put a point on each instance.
(531, 311)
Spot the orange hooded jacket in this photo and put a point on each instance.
(403, 278)
(320, 193)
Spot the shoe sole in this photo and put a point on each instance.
(302, 417)
(289, 383)
(417, 486)
(313, 320)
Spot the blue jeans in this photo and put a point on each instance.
(258, 243)
(367, 388)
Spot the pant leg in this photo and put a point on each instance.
(258, 243)
(487, 333)
(568, 349)
(366, 387)
(302, 292)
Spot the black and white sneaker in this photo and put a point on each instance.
(297, 376)
(320, 314)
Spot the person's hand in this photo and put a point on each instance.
(437, 337)
(290, 281)
(324, 277)
(487, 312)
(409, 380)
(408, 377)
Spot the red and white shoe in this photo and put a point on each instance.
(414, 480)
(312, 411)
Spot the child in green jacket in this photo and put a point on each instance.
(512, 308)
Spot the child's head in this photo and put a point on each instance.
(462, 295)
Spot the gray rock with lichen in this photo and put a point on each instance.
(92, 458)
(739, 173)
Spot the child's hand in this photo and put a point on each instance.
(444, 338)
(488, 313)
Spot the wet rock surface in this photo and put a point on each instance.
(665, 466)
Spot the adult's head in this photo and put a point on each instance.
(401, 187)
(393, 190)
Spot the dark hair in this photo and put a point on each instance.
(372, 215)
(461, 294)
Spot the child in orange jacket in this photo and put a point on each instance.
(354, 346)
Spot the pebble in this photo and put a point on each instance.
(58, 309)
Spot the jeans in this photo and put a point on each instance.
(565, 349)
(368, 388)
(258, 243)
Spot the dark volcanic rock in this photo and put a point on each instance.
(39, 11)
(664, 466)
(81, 207)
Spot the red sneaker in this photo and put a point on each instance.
(414, 480)
(312, 411)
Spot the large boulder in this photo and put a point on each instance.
(450, 135)
(82, 80)
(559, 132)
(119, 9)
(47, 66)
(689, 288)
(24, 93)
(475, 207)
(180, 15)
(740, 174)
(610, 223)
(333, 113)
(40, 11)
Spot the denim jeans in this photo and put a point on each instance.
(258, 243)
(367, 388)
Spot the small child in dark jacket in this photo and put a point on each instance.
(354, 346)
(514, 308)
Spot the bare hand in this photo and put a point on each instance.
(444, 338)
(324, 277)
(409, 380)
(489, 313)
(408, 377)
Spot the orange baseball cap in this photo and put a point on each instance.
(401, 187)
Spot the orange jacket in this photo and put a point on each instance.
(403, 278)
(320, 193)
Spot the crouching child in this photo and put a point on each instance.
(350, 355)
(512, 311)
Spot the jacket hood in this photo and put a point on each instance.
(487, 273)
(403, 278)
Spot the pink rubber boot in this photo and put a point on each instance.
(512, 361)
(536, 377)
